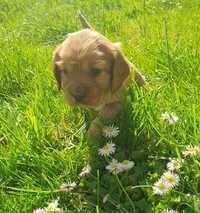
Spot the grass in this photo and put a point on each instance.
(42, 140)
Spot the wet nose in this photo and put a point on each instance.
(79, 94)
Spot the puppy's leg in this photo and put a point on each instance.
(109, 112)
(95, 128)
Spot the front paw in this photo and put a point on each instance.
(94, 130)
(111, 110)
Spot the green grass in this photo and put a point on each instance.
(42, 142)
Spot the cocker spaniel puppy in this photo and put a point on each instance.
(94, 72)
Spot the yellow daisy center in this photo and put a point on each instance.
(110, 130)
(192, 149)
(125, 161)
(161, 185)
(170, 178)
(105, 147)
(175, 163)
(114, 166)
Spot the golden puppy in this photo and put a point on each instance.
(94, 72)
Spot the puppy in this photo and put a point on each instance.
(94, 72)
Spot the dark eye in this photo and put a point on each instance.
(95, 72)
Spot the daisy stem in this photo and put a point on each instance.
(138, 186)
(30, 190)
(98, 189)
(39, 191)
(123, 189)
(121, 209)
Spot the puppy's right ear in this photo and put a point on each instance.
(57, 66)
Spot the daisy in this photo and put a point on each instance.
(114, 167)
(86, 171)
(68, 187)
(174, 164)
(171, 118)
(171, 178)
(165, 116)
(53, 206)
(170, 211)
(110, 131)
(161, 187)
(39, 210)
(191, 150)
(107, 149)
(127, 164)
(174, 118)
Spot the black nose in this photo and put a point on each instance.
(79, 94)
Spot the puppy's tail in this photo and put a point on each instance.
(84, 22)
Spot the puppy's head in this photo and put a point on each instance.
(90, 67)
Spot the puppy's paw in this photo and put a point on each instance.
(94, 130)
(110, 111)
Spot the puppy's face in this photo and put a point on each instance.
(90, 67)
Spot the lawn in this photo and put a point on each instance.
(43, 141)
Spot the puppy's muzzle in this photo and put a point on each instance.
(78, 94)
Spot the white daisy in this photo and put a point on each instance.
(127, 164)
(161, 187)
(171, 118)
(53, 206)
(107, 149)
(171, 178)
(191, 150)
(110, 131)
(165, 116)
(86, 171)
(40, 210)
(174, 118)
(114, 167)
(170, 211)
(174, 164)
(68, 187)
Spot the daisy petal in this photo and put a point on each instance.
(127, 164)
(171, 118)
(114, 167)
(161, 187)
(67, 187)
(191, 150)
(171, 178)
(174, 164)
(40, 210)
(107, 149)
(86, 171)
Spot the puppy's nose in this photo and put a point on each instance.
(79, 94)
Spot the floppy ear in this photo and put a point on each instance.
(121, 70)
(57, 66)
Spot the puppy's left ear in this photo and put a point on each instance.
(121, 70)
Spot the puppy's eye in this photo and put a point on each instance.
(95, 72)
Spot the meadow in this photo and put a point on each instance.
(43, 141)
